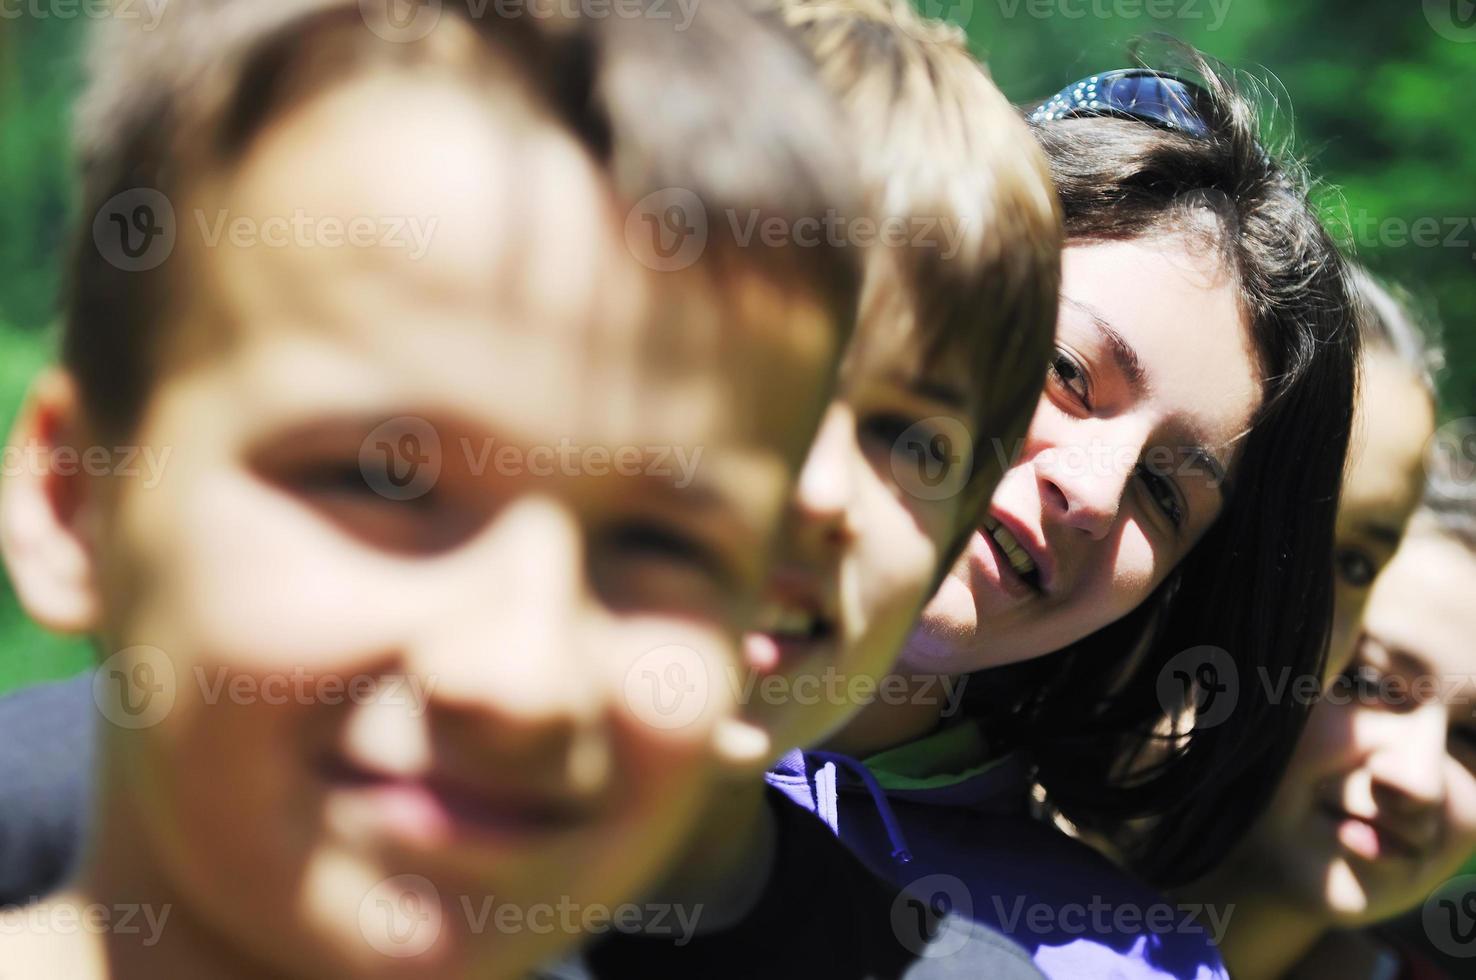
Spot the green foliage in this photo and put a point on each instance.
(1379, 102)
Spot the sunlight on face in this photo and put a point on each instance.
(1153, 382)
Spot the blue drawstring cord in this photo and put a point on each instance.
(901, 853)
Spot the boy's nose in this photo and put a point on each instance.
(508, 644)
(823, 495)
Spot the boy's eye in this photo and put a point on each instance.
(344, 477)
(1354, 566)
(885, 429)
(929, 454)
(649, 541)
(1463, 740)
(1068, 372)
(1161, 490)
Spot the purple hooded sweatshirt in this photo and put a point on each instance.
(937, 816)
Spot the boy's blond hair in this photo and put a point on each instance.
(938, 142)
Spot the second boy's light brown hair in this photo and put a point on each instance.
(940, 145)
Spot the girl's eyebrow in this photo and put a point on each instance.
(1123, 353)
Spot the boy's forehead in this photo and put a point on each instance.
(406, 240)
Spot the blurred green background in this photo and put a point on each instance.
(1380, 95)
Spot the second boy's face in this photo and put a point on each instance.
(449, 539)
(868, 524)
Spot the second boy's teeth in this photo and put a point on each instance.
(789, 620)
(1016, 555)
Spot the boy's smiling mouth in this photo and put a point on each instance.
(795, 620)
(436, 809)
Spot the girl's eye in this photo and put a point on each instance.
(1354, 567)
(1162, 492)
(1069, 373)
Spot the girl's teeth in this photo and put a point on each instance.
(1018, 558)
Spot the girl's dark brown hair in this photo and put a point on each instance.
(1111, 756)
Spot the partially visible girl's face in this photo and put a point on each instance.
(1395, 419)
(1154, 381)
(1378, 805)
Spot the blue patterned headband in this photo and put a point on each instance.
(1132, 93)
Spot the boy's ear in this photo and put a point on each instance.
(45, 533)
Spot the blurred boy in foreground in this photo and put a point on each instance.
(364, 671)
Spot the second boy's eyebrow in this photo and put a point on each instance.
(944, 392)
